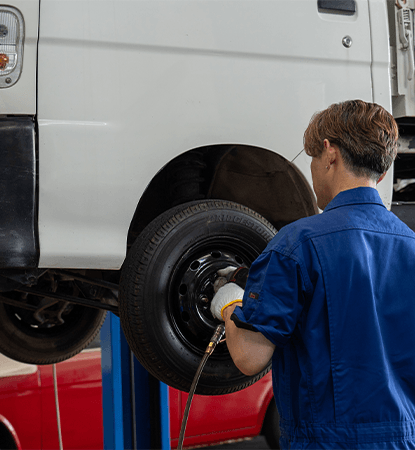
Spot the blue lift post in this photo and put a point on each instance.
(136, 406)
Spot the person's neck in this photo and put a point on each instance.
(354, 182)
(347, 181)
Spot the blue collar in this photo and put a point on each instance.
(357, 196)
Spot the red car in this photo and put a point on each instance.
(28, 414)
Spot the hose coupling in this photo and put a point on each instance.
(215, 339)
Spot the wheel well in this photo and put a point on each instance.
(258, 178)
(7, 439)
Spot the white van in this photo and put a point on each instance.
(171, 131)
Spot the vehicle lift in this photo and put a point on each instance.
(135, 404)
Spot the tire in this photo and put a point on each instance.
(271, 427)
(25, 340)
(167, 284)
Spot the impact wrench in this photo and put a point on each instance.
(217, 336)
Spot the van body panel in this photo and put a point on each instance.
(126, 86)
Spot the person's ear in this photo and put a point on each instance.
(331, 152)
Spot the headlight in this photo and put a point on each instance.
(11, 45)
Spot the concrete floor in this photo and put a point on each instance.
(246, 444)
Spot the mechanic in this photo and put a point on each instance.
(331, 298)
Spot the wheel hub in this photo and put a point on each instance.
(195, 291)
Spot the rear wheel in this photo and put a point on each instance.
(52, 330)
(167, 285)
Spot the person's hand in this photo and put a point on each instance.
(231, 274)
(227, 271)
(223, 278)
(225, 296)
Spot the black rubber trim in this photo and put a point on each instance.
(344, 7)
(19, 246)
(244, 325)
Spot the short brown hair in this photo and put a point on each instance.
(365, 133)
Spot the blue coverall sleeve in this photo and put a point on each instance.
(273, 299)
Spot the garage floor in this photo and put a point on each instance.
(246, 444)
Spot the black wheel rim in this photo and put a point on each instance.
(27, 324)
(190, 288)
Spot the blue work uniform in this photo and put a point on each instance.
(335, 293)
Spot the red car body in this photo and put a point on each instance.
(28, 414)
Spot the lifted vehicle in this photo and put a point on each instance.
(145, 145)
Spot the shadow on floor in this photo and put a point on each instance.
(256, 443)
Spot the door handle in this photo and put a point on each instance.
(344, 7)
